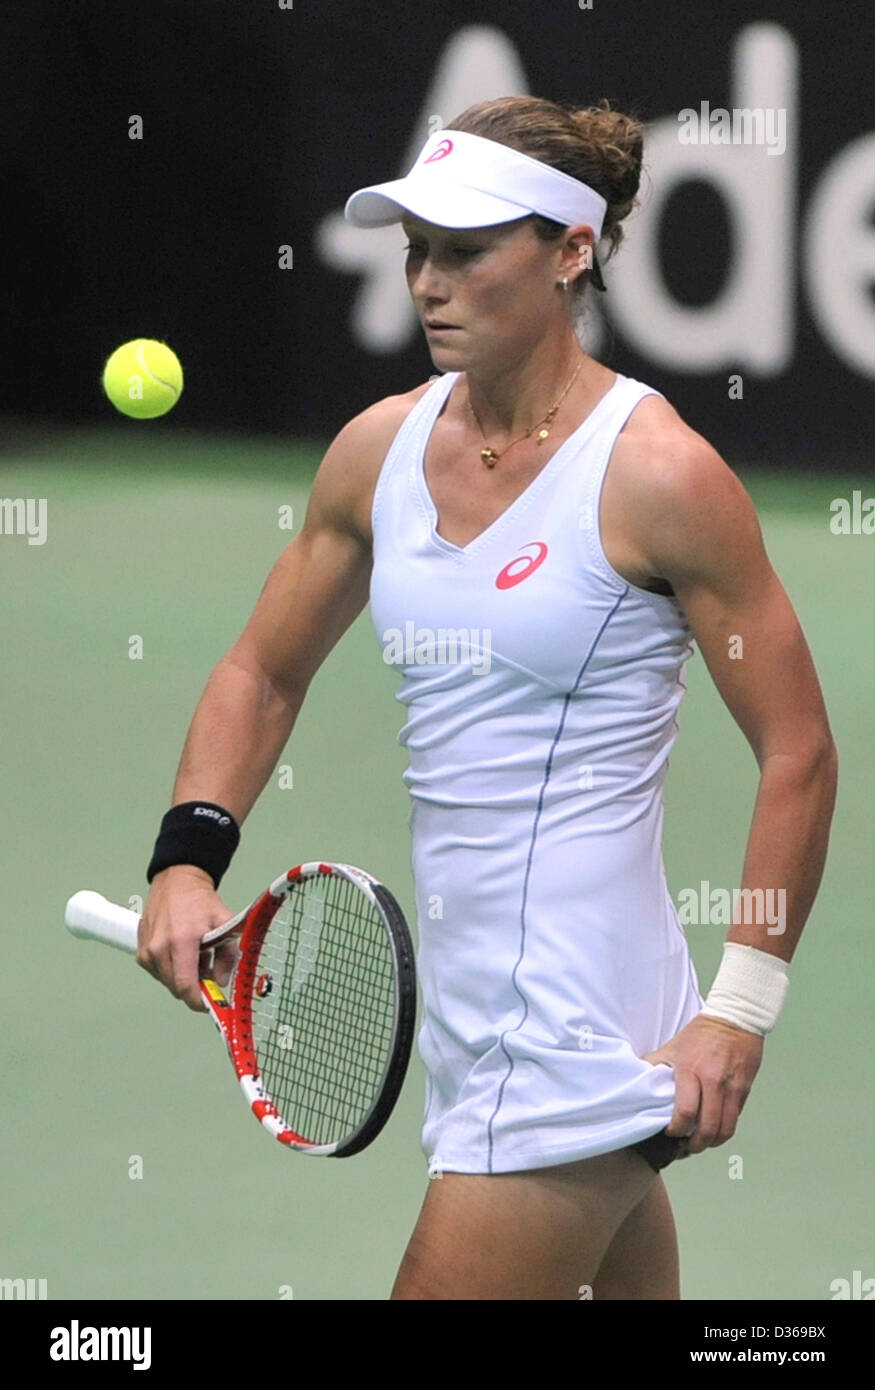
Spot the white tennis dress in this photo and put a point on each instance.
(541, 692)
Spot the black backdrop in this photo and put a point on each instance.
(259, 120)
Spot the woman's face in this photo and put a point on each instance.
(495, 285)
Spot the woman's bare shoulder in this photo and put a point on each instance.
(343, 488)
(387, 415)
(671, 493)
(659, 453)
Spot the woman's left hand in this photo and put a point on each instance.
(714, 1064)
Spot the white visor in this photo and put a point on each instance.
(462, 180)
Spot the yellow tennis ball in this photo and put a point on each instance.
(143, 378)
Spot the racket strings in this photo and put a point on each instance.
(324, 1008)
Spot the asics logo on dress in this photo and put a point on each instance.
(522, 565)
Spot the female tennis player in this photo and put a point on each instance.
(543, 541)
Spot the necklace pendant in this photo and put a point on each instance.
(489, 457)
(542, 434)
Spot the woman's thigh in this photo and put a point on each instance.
(538, 1234)
(642, 1260)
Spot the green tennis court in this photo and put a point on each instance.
(166, 536)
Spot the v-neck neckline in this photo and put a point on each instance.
(549, 468)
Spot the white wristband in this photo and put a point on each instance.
(748, 989)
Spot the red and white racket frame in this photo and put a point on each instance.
(89, 915)
(234, 1020)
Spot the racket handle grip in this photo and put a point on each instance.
(94, 917)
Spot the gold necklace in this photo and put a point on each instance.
(490, 457)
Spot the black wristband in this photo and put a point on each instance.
(199, 833)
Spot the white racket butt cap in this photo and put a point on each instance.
(93, 917)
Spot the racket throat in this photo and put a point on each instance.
(266, 1112)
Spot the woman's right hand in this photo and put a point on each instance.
(181, 908)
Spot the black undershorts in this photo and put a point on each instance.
(660, 1150)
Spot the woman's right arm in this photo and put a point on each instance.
(248, 709)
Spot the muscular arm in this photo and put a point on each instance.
(690, 521)
(316, 589)
(705, 539)
(248, 709)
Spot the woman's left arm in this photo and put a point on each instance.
(704, 537)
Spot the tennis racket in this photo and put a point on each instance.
(319, 1012)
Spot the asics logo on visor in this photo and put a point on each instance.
(440, 152)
